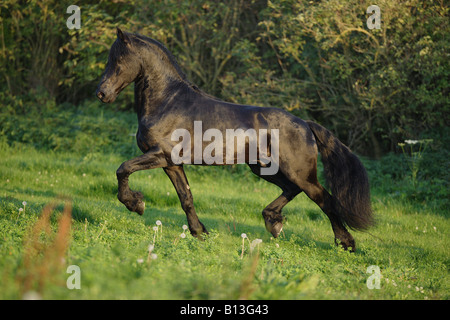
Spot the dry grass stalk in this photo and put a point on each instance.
(44, 250)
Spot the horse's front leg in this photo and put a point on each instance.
(181, 184)
(133, 200)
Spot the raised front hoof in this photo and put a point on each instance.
(274, 227)
(135, 204)
(139, 207)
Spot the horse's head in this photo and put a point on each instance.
(122, 68)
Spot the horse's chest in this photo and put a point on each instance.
(144, 142)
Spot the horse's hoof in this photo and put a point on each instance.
(347, 244)
(138, 204)
(200, 232)
(274, 227)
(140, 208)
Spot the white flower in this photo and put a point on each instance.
(183, 235)
(158, 222)
(153, 256)
(24, 203)
(20, 209)
(255, 243)
(140, 260)
(243, 235)
(411, 141)
(155, 229)
(185, 227)
(151, 247)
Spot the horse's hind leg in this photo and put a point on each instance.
(325, 201)
(272, 213)
(179, 181)
(306, 179)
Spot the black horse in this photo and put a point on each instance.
(166, 101)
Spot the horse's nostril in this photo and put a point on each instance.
(100, 95)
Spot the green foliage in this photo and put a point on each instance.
(373, 88)
(85, 129)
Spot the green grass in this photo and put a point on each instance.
(410, 243)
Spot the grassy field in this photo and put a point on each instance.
(110, 245)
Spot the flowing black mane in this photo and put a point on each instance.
(140, 40)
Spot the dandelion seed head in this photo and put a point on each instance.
(256, 242)
(183, 235)
(151, 247)
(140, 260)
(158, 222)
(153, 256)
(185, 227)
(155, 229)
(24, 203)
(31, 295)
(243, 235)
(20, 209)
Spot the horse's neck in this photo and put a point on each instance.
(153, 91)
(154, 86)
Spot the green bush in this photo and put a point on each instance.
(318, 60)
(85, 129)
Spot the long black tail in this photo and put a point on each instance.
(347, 179)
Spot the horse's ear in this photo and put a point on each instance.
(122, 36)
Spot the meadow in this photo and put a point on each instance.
(68, 156)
